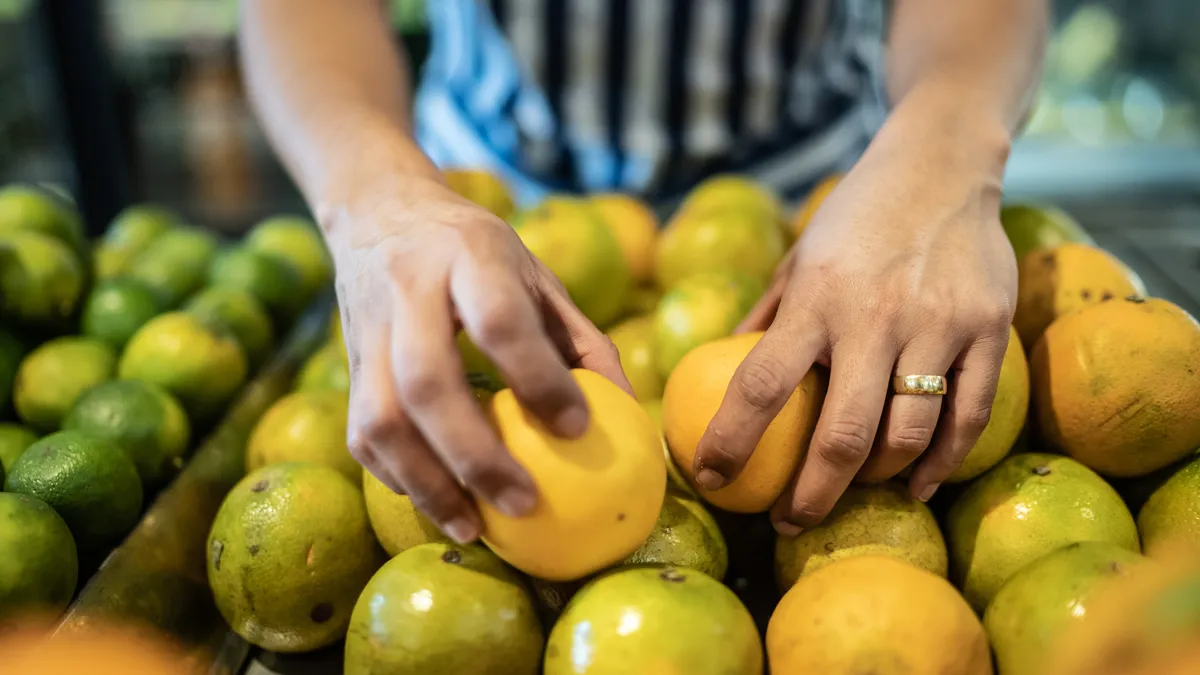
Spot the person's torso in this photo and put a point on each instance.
(649, 96)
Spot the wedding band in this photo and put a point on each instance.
(920, 385)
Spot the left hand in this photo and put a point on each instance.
(904, 270)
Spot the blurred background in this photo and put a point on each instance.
(146, 95)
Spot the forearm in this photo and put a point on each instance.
(961, 76)
(328, 83)
(966, 70)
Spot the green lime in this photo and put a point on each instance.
(55, 374)
(242, 314)
(40, 566)
(175, 263)
(276, 283)
(14, 439)
(130, 233)
(117, 308)
(11, 353)
(328, 368)
(141, 418)
(89, 481)
(28, 209)
(197, 360)
(1031, 226)
(297, 241)
(41, 279)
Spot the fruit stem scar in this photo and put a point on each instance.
(672, 575)
(453, 557)
(1041, 470)
(217, 548)
(259, 486)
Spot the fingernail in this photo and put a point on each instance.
(788, 529)
(461, 530)
(572, 422)
(927, 494)
(710, 480)
(515, 502)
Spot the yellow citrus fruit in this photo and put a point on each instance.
(634, 339)
(1067, 278)
(636, 228)
(304, 426)
(1114, 385)
(598, 495)
(1009, 409)
(728, 240)
(571, 239)
(398, 524)
(700, 309)
(875, 614)
(483, 188)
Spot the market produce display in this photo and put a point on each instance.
(1023, 564)
(620, 568)
(115, 355)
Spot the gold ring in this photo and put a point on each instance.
(921, 385)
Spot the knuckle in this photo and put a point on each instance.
(975, 419)
(910, 439)
(480, 474)
(378, 426)
(499, 325)
(421, 387)
(845, 443)
(439, 505)
(761, 384)
(805, 514)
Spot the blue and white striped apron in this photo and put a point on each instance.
(650, 96)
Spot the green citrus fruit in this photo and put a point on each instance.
(41, 280)
(140, 418)
(175, 264)
(654, 619)
(40, 566)
(54, 375)
(116, 309)
(700, 309)
(304, 426)
(28, 209)
(295, 241)
(14, 440)
(274, 282)
(89, 481)
(444, 608)
(289, 553)
(328, 368)
(198, 361)
(242, 314)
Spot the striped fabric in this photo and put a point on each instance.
(650, 96)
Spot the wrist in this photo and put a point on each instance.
(952, 124)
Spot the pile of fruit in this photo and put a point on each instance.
(1029, 561)
(114, 355)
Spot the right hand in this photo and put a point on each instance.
(413, 265)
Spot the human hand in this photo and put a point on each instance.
(904, 270)
(413, 265)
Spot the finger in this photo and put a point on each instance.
(909, 420)
(499, 314)
(429, 377)
(758, 390)
(860, 373)
(967, 411)
(579, 340)
(382, 438)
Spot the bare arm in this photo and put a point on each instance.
(329, 84)
(414, 262)
(904, 269)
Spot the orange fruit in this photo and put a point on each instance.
(636, 228)
(694, 393)
(1117, 385)
(598, 495)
